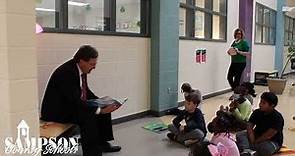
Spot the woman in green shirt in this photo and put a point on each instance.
(238, 59)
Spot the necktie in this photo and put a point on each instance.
(84, 87)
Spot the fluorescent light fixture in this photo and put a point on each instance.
(77, 3)
(287, 9)
(44, 9)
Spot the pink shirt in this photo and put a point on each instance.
(227, 140)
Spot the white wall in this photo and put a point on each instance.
(211, 76)
(263, 56)
(122, 69)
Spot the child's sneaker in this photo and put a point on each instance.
(248, 152)
(189, 142)
(171, 136)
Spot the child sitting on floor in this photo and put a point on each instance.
(185, 89)
(265, 129)
(222, 142)
(195, 128)
(249, 92)
(246, 89)
(240, 106)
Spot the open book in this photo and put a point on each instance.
(104, 101)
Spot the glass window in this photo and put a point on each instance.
(291, 25)
(265, 35)
(86, 15)
(286, 38)
(259, 15)
(272, 36)
(218, 27)
(182, 22)
(289, 30)
(216, 5)
(266, 16)
(265, 25)
(128, 16)
(199, 24)
(287, 23)
(45, 13)
(219, 6)
(95, 16)
(258, 33)
(203, 19)
(273, 19)
(200, 3)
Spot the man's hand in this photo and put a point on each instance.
(109, 108)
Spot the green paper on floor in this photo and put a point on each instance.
(156, 126)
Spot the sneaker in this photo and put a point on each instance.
(189, 142)
(171, 136)
(248, 152)
(106, 147)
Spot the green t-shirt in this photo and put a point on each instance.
(242, 46)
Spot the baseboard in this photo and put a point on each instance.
(163, 112)
(131, 117)
(207, 96)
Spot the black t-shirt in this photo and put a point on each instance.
(193, 120)
(264, 121)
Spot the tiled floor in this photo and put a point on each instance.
(136, 141)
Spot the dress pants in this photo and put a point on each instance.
(234, 74)
(95, 131)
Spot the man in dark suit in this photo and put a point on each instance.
(65, 99)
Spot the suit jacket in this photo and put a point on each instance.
(62, 98)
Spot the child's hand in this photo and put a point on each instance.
(221, 108)
(227, 108)
(232, 109)
(233, 104)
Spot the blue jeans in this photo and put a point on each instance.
(266, 148)
(181, 137)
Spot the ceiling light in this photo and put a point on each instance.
(77, 3)
(44, 9)
(287, 8)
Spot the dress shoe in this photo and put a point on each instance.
(107, 148)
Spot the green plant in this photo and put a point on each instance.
(290, 55)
